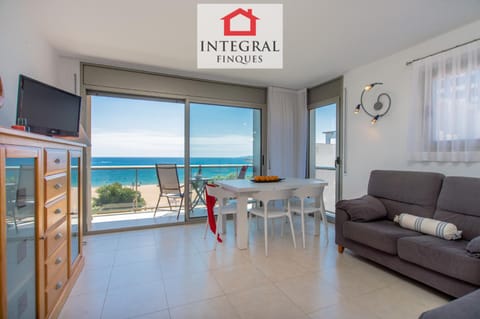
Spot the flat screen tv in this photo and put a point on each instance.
(47, 109)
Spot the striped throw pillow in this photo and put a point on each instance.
(428, 226)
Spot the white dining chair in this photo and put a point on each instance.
(223, 206)
(306, 201)
(270, 212)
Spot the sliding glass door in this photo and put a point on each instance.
(129, 136)
(325, 149)
(225, 143)
(135, 140)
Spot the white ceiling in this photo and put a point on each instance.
(322, 38)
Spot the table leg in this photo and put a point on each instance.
(242, 222)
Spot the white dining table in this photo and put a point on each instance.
(244, 188)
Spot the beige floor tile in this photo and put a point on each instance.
(216, 308)
(100, 260)
(134, 255)
(310, 292)
(164, 314)
(135, 273)
(240, 277)
(172, 272)
(134, 300)
(223, 257)
(278, 268)
(349, 282)
(344, 310)
(183, 265)
(92, 281)
(265, 302)
(391, 303)
(86, 306)
(188, 288)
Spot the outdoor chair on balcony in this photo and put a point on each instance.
(170, 187)
(243, 171)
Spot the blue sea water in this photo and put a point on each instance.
(147, 176)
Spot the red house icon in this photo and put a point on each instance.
(248, 14)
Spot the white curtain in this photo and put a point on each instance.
(445, 124)
(287, 132)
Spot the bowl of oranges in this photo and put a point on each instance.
(266, 179)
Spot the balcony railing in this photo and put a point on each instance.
(137, 186)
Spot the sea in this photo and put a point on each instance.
(145, 173)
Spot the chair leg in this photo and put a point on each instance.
(291, 229)
(265, 225)
(219, 221)
(179, 208)
(169, 204)
(235, 223)
(325, 224)
(206, 229)
(158, 203)
(303, 228)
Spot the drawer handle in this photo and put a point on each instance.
(59, 285)
(58, 260)
(58, 236)
(57, 161)
(57, 186)
(58, 211)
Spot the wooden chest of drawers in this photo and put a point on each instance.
(50, 258)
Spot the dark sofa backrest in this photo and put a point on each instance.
(459, 203)
(406, 192)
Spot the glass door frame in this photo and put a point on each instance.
(12, 151)
(339, 161)
(187, 172)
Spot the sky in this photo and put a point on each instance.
(124, 127)
(146, 128)
(325, 120)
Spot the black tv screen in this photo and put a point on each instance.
(47, 109)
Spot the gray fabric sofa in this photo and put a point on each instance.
(436, 262)
(466, 307)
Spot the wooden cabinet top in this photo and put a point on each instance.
(11, 136)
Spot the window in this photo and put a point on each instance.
(447, 107)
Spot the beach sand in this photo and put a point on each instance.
(150, 193)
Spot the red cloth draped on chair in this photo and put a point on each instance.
(211, 200)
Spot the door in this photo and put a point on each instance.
(325, 149)
(224, 143)
(19, 223)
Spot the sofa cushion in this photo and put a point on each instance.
(459, 203)
(381, 235)
(402, 190)
(429, 226)
(364, 209)
(446, 257)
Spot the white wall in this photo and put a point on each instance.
(22, 50)
(384, 145)
(68, 74)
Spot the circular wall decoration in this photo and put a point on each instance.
(380, 105)
(2, 93)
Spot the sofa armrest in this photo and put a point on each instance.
(364, 209)
(466, 307)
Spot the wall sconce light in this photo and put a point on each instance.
(380, 107)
